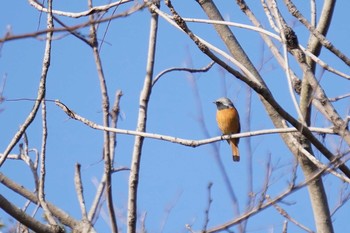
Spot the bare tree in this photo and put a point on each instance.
(317, 149)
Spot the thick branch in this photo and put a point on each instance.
(26, 219)
(63, 217)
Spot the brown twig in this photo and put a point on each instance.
(266, 204)
(207, 210)
(289, 218)
(191, 70)
(10, 37)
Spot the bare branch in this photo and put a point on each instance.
(25, 219)
(9, 37)
(268, 203)
(141, 125)
(186, 142)
(91, 11)
(287, 216)
(106, 136)
(46, 64)
(191, 70)
(63, 217)
(207, 210)
(79, 189)
(276, 112)
(321, 38)
(41, 189)
(334, 99)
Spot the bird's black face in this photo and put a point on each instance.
(223, 103)
(220, 105)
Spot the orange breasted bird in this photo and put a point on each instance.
(228, 122)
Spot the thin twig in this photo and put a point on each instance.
(287, 216)
(334, 99)
(128, 12)
(207, 210)
(191, 70)
(106, 137)
(268, 203)
(92, 10)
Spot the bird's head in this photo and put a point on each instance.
(223, 103)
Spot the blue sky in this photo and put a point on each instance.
(174, 178)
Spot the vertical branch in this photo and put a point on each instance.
(316, 189)
(313, 15)
(46, 64)
(141, 126)
(114, 119)
(249, 154)
(107, 177)
(41, 190)
(282, 28)
(79, 189)
(207, 210)
(86, 223)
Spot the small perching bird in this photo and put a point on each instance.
(228, 122)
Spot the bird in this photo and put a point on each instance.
(227, 118)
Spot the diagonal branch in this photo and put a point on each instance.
(26, 219)
(321, 38)
(62, 216)
(276, 112)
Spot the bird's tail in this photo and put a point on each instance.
(235, 151)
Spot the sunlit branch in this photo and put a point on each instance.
(141, 124)
(254, 82)
(186, 142)
(260, 30)
(322, 39)
(92, 10)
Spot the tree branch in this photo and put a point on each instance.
(25, 219)
(141, 125)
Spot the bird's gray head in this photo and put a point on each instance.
(223, 103)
